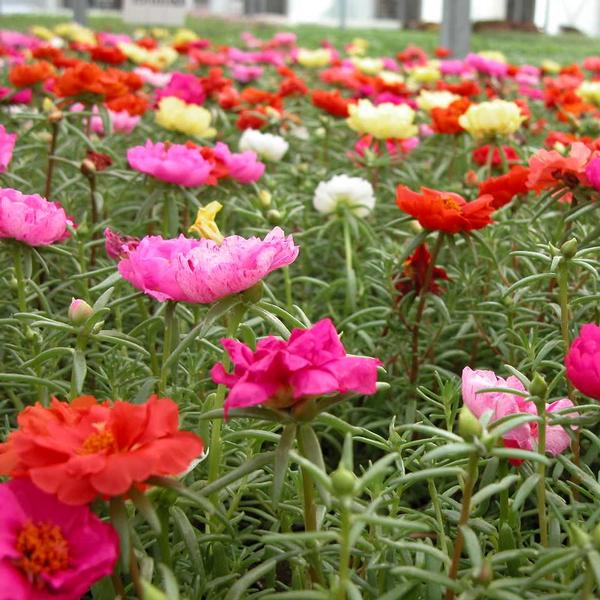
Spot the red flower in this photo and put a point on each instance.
(99, 160)
(28, 75)
(291, 86)
(255, 118)
(332, 102)
(84, 449)
(133, 104)
(481, 155)
(442, 52)
(415, 270)
(549, 168)
(445, 120)
(106, 54)
(506, 187)
(445, 211)
(464, 88)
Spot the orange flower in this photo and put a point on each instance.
(332, 102)
(27, 75)
(77, 80)
(505, 187)
(134, 105)
(445, 211)
(445, 120)
(549, 168)
(85, 449)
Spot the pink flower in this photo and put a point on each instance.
(244, 167)
(117, 245)
(7, 145)
(173, 163)
(184, 86)
(313, 362)
(583, 361)
(121, 121)
(202, 271)
(486, 66)
(592, 172)
(48, 549)
(158, 80)
(12, 96)
(246, 73)
(502, 404)
(31, 219)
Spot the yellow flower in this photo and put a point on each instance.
(370, 66)
(159, 32)
(76, 33)
(48, 105)
(391, 77)
(183, 36)
(550, 66)
(42, 32)
(493, 55)
(428, 73)
(383, 121)
(314, 58)
(205, 225)
(589, 91)
(357, 47)
(176, 115)
(497, 117)
(160, 58)
(429, 100)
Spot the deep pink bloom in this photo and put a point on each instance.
(502, 404)
(185, 86)
(23, 96)
(7, 145)
(592, 172)
(486, 66)
(117, 245)
(583, 361)
(49, 550)
(202, 271)
(243, 167)
(31, 219)
(313, 362)
(173, 163)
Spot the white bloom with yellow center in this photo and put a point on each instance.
(383, 121)
(429, 100)
(497, 117)
(266, 145)
(355, 193)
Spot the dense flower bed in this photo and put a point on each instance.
(288, 322)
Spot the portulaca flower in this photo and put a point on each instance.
(266, 145)
(354, 192)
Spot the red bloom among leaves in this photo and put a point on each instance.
(481, 155)
(414, 273)
(445, 211)
(332, 102)
(100, 161)
(507, 186)
(106, 54)
(445, 120)
(84, 449)
(27, 75)
(291, 86)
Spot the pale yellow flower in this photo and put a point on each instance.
(383, 121)
(429, 100)
(161, 57)
(391, 77)
(589, 91)
(369, 66)
(204, 225)
(320, 57)
(42, 32)
(428, 73)
(184, 36)
(358, 47)
(76, 33)
(497, 117)
(550, 66)
(493, 55)
(177, 115)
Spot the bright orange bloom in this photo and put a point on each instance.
(549, 168)
(445, 211)
(505, 187)
(27, 75)
(445, 120)
(91, 79)
(332, 102)
(134, 105)
(84, 449)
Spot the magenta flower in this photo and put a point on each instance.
(202, 271)
(7, 145)
(244, 167)
(117, 246)
(279, 374)
(184, 86)
(31, 219)
(592, 172)
(583, 361)
(502, 404)
(173, 163)
(48, 549)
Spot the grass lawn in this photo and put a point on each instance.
(518, 46)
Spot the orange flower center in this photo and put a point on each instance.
(449, 202)
(98, 442)
(43, 550)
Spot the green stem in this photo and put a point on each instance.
(345, 549)
(51, 161)
(587, 591)
(18, 266)
(504, 493)
(350, 275)
(563, 296)
(167, 345)
(463, 520)
(439, 516)
(287, 281)
(541, 486)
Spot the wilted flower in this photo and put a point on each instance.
(382, 121)
(583, 361)
(117, 245)
(266, 145)
(49, 549)
(205, 225)
(496, 117)
(280, 374)
(31, 219)
(414, 273)
(355, 193)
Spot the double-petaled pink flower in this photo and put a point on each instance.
(583, 361)
(7, 145)
(49, 549)
(202, 271)
(31, 219)
(244, 167)
(173, 163)
(280, 374)
(502, 404)
(185, 86)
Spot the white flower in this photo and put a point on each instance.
(354, 192)
(266, 145)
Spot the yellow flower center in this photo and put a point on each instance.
(449, 202)
(98, 442)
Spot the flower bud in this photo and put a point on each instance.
(485, 573)
(80, 311)
(88, 168)
(274, 216)
(265, 198)
(579, 537)
(55, 116)
(468, 424)
(596, 537)
(343, 481)
(416, 226)
(538, 386)
(569, 248)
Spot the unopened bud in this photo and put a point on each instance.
(265, 198)
(569, 248)
(538, 386)
(416, 226)
(55, 116)
(80, 311)
(485, 574)
(468, 424)
(274, 216)
(579, 537)
(88, 168)
(343, 481)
